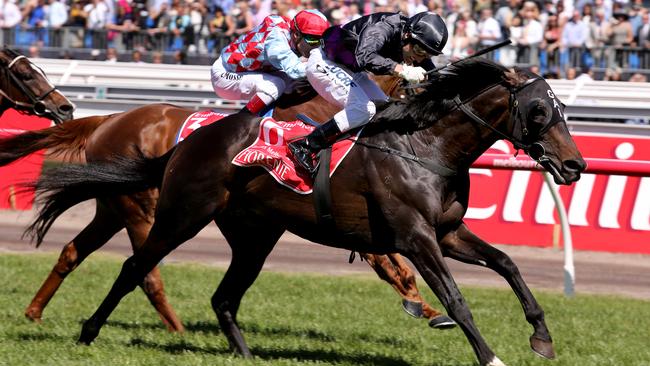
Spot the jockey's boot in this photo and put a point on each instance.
(304, 150)
(258, 105)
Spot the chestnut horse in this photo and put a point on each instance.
(403, 188)
(24, 87)
(153, 129)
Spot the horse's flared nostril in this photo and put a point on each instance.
(575, 165)
(66, 108)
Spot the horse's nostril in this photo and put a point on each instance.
(66, 108)
(575, 165)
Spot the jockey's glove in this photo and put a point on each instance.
(412, 74)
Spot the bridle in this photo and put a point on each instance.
(518, 136)
(35, 104)
(520, 131)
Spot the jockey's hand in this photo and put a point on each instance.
(412, 74)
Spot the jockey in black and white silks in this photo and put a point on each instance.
(380, 43)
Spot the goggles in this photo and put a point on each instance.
(309, 39)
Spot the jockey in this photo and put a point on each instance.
(381, 43)
(259, 64)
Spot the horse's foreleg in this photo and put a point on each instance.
(103, 226)
(393, 269)
(422, 249)
(250, 245)
(436, 318)
(411, 301)
(464, 246)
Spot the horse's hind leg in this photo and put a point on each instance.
(393, 269)
(138, 228)
(250, 245)
(173, 226)
(464, 246)
(103, 226)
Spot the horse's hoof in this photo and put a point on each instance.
(88, 334)
(442, 322)
(33, 316)
(413, 308)
(542, 348)
(496, 362)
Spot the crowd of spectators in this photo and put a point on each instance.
(561, 38)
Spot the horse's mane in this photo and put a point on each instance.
(9, 52)
(464, 78)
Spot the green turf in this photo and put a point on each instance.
(299, 320)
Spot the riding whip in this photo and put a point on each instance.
(479, 53)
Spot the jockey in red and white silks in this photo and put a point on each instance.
(381, 43)
(258, 65)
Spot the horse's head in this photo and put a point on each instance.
(515, 105)
(24, 86)
(538, 126)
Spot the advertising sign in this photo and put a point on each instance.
(12, 196)
(605, 212)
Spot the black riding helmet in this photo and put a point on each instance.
(428, 30)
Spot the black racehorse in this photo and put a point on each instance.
(403, 188)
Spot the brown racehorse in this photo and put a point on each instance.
(152, 129)
(403, 188)
(24, 87)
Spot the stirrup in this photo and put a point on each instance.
(298, 151)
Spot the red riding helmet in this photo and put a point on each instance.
(311, 24)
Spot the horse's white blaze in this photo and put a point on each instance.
(496, 362)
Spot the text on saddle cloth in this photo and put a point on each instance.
(195, 121)
(270, 151)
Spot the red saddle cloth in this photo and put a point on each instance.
(195, 121)
(270, 151)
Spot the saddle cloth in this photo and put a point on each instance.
(195, 121)
(270, 151)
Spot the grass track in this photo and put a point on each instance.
(299, 320)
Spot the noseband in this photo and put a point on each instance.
(520, 131)
(35, 104)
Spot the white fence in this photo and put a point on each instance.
(101, 87)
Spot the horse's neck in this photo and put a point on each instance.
(454, 139)
(457, 139)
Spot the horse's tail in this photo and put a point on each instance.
(67, 140)
(62, 187)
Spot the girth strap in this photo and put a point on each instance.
(322, 193)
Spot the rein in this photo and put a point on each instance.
(518, 134)
(515, 120)
(36, 102)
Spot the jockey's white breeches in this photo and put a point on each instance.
(354, 92)
(244, 85)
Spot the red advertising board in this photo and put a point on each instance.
(605, 212)
(12, 196)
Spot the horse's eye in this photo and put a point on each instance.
(25, 76)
